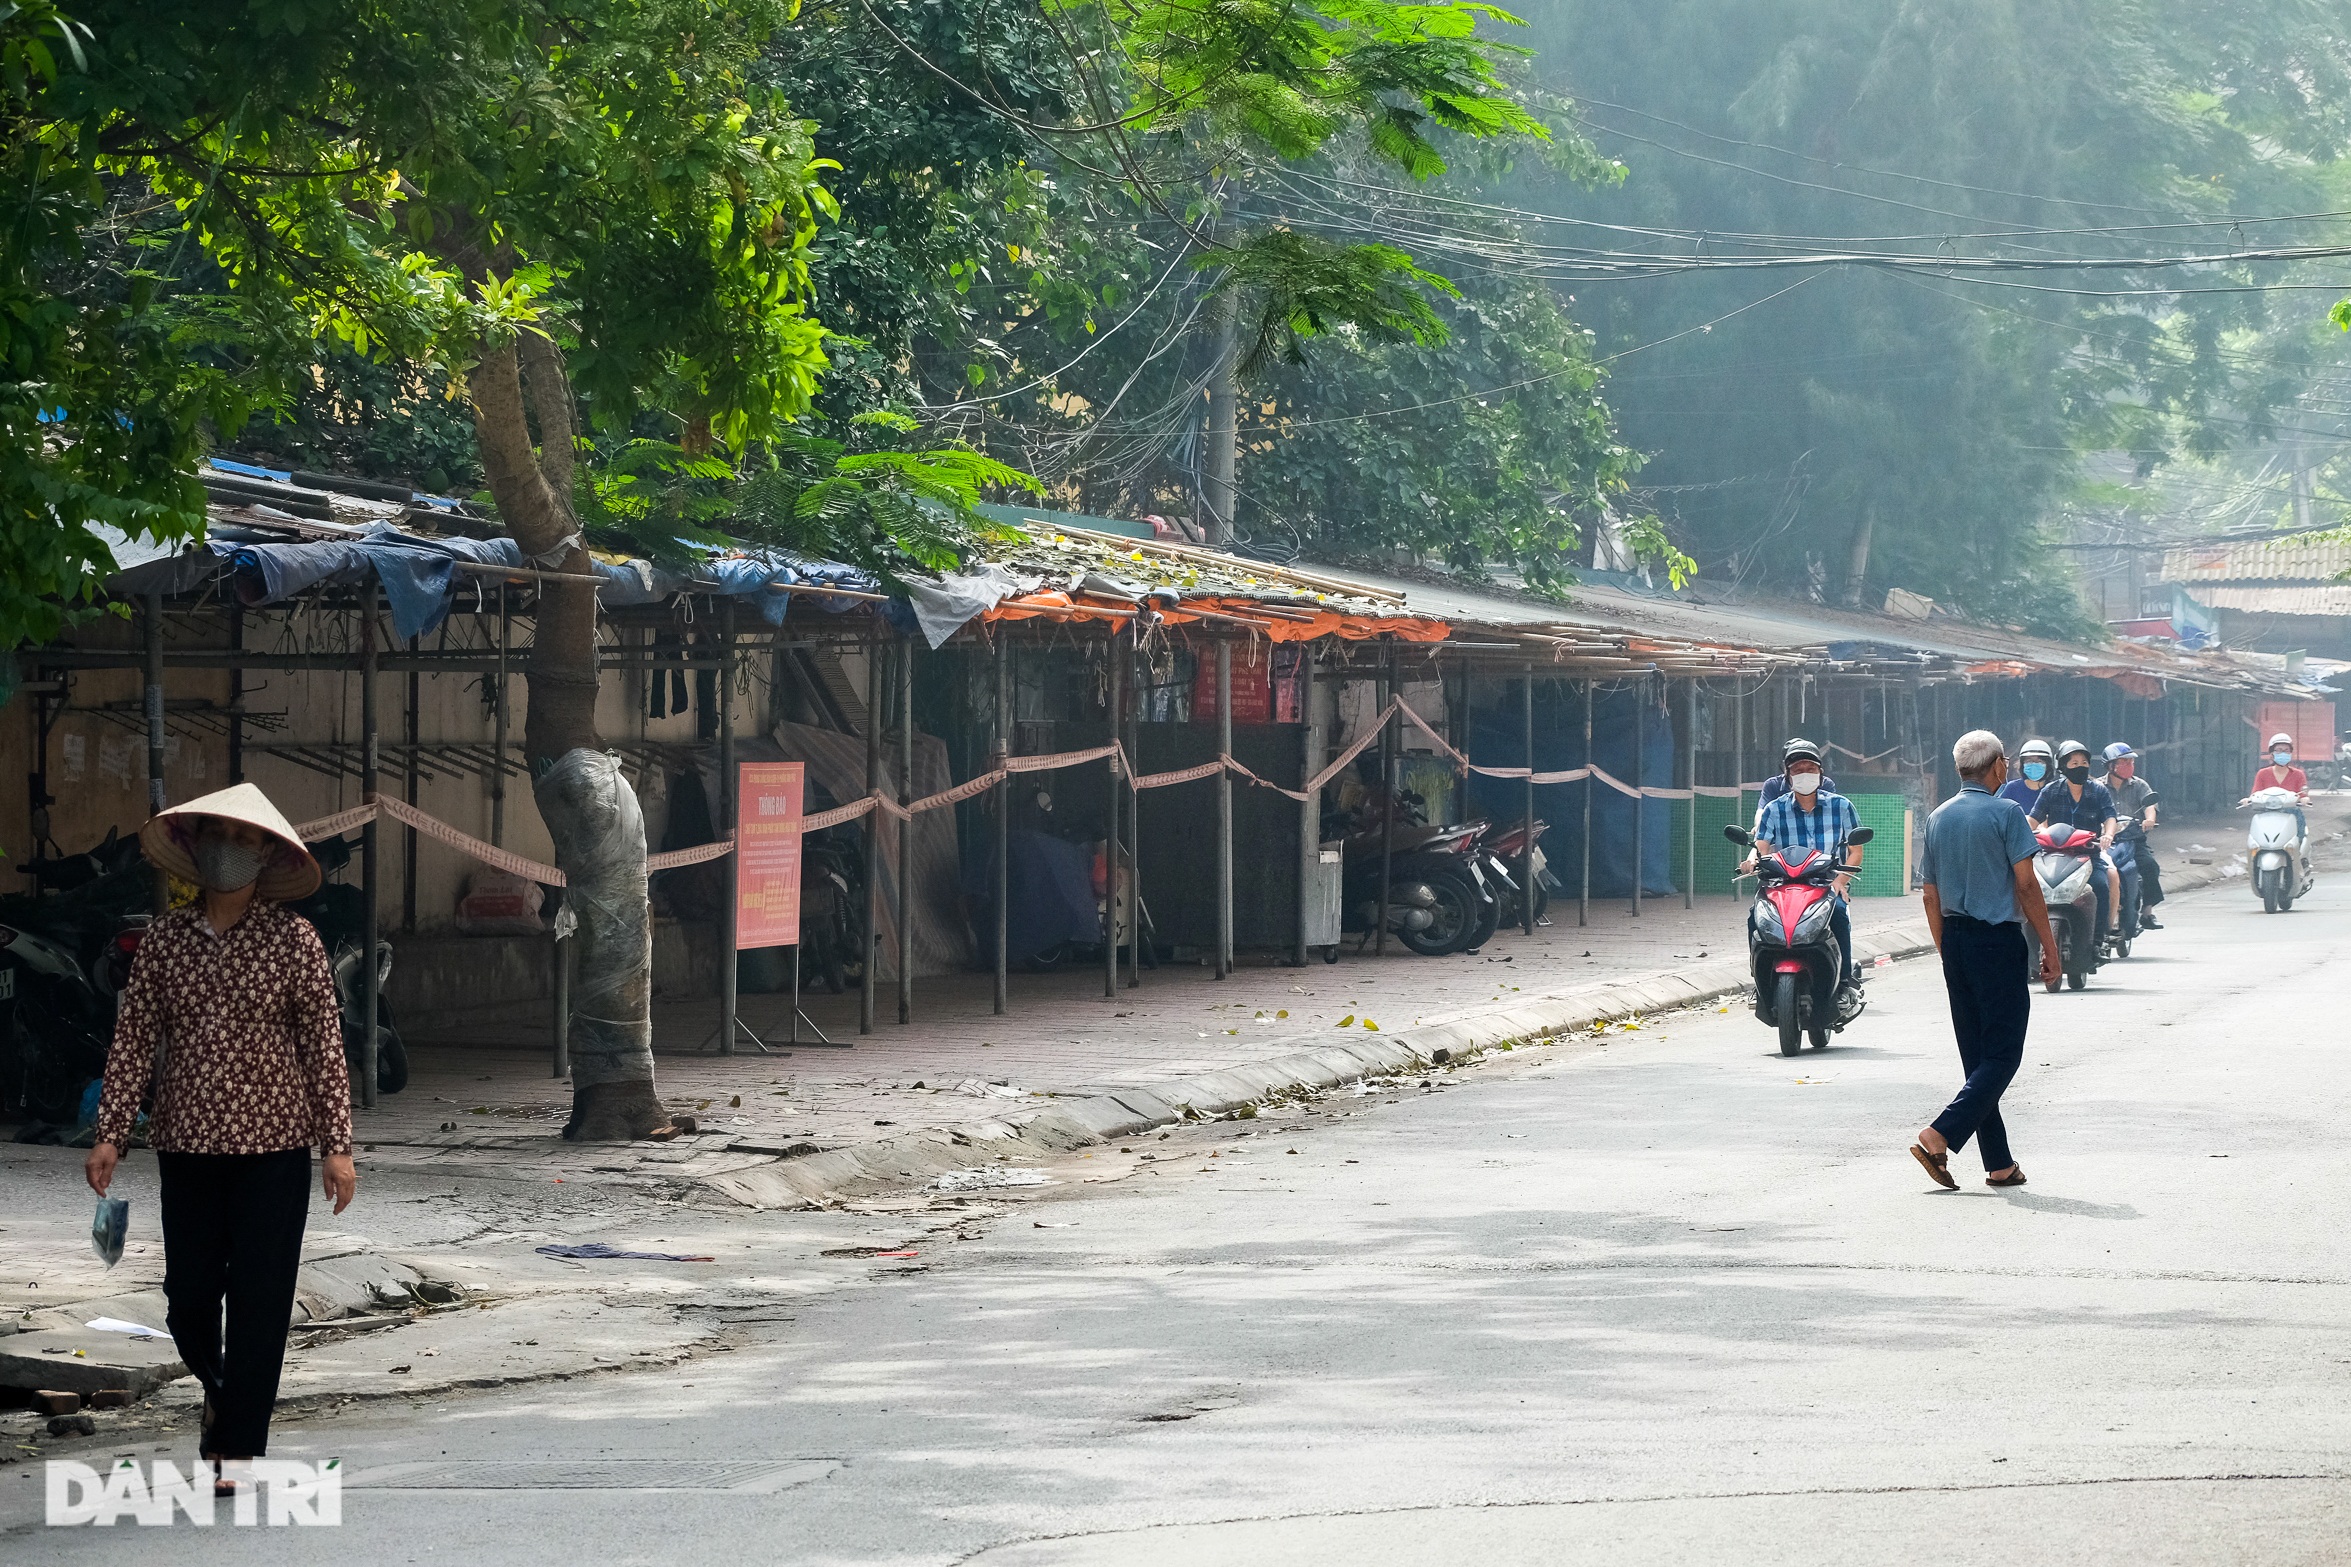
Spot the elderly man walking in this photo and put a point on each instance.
(1980, 889)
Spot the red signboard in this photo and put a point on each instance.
(767, 854)
(1252, 691)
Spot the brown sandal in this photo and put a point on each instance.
(2013, 1178)
(1938, 1165)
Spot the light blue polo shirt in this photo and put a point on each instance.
(1974, 842)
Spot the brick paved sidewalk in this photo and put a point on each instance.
(489, 1094)
(486, 1097)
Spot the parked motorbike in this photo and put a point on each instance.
(1443, 897)
(338, 912)
(1791, 951)
(1438, 898)
(1505, 848)
(64, 956)
(2277, 855)
(831, 874)
(2066, 861)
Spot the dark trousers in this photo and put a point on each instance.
(1841, 927)
(2150, 874)
(2126, 860)
(1991, 1001)
(232, 1234)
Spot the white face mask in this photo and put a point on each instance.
(1804, 783)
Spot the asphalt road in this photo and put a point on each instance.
(1665, 1300)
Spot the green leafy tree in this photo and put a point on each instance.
(1867, 430)
(592, 214)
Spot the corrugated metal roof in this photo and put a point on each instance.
(2305, 558)
(1942, 645)
(2275, 598)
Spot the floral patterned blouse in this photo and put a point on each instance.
(252, 1033)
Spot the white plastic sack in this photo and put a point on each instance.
(497, 904)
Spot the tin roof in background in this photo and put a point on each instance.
(2303, 558)
(2275, 598)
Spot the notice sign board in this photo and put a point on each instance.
(767, 854)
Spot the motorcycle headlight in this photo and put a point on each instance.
(2072, 885)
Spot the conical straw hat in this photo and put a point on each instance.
(169, 840)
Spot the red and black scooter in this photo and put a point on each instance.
(2066, 860)
(1796, 961)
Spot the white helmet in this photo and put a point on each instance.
(2285, 740)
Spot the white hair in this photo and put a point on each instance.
(1975, 751)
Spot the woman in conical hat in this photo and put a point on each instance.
(230, 1019)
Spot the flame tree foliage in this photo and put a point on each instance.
(1194, 228)
(598, 221)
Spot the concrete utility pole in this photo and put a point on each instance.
(1857, 564)
(1220, 462)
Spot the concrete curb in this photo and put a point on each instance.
(1335, 1059)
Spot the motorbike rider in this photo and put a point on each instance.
(1809, 816)
(2135, 805)
(2077, 800)
(1777, 784)
(2281, 773)
(2034, 763)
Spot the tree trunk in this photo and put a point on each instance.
(591, 813)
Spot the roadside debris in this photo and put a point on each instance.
(982, 1179)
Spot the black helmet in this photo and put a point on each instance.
(2072, 748)
(1800, 750)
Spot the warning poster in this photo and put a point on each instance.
(767, 847)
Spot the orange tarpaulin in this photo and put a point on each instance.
(1279, 623)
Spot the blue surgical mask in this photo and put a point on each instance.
(2281, 757)
(2034, 772)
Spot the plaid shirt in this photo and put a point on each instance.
(1785, 825)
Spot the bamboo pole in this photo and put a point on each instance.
(729, 956)
(369, 1000)
(1224, 810)
(905, 920)
(1003, 824)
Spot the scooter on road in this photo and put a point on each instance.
(1791, 951)
(2277, 852)
(2066, 860)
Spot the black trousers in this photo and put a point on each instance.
(2150, 874)
(232, 1235)
(1991, 1002)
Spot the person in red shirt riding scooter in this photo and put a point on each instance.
(2281, 773)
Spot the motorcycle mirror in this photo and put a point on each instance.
(1737, 834)
(1859, 835)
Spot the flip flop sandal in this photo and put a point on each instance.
(1938, 1165)
(2015, 1178)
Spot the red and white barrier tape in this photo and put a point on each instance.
(547, 875)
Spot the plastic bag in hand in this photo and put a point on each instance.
(108, 1226)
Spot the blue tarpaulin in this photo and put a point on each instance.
(420, 576)
(750, 573)
(1497, 740)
